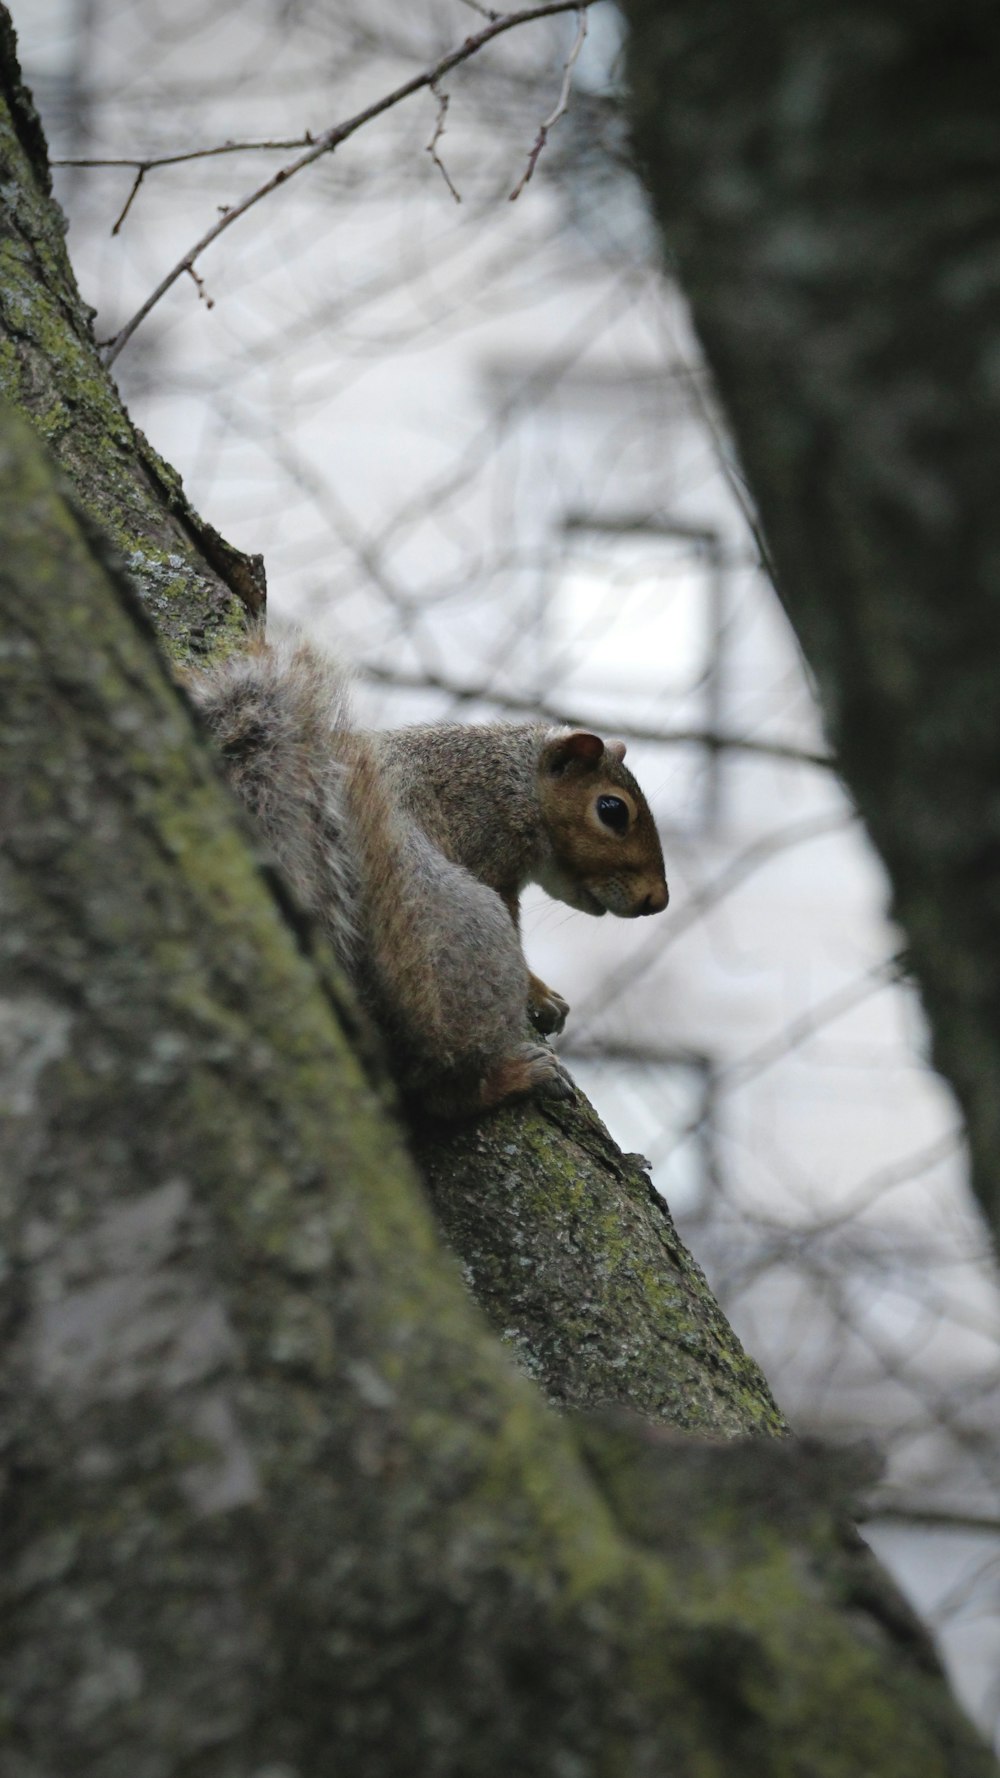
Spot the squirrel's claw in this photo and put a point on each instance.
(555, 1086)
(547, 1010)
(549, 1079)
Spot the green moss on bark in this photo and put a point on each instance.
(577, 1263)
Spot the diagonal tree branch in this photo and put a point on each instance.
(332, 138)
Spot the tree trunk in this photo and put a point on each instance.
(828, 181)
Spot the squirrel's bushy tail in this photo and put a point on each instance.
(277, 712)
(280, 716)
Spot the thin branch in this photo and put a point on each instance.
(784, 751)
(809, 1024)
(199, 284)
(150, 162)
(443, 101)
(561, 106)
(878, 1185)
(126, 207)
(331, 139)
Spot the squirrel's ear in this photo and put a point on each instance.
(578, 748)
(615, 750)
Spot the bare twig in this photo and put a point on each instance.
(784, 751)
(199, 284)
(126, 207)
(331, 139)
(808, 1025)
(443, 101)
(149, 162)
(560, 107)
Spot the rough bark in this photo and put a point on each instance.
(576, 1261)
(272, 1496)
(828, 180)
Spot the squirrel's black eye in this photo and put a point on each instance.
(613, 812)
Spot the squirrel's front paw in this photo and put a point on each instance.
(547, 1010)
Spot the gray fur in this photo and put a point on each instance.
(276, 713)
(432, 950)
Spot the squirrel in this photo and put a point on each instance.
(411, 847)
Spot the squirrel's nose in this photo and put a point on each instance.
(656, 900)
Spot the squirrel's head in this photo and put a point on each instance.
(602, 852)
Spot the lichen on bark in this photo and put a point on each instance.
(576, 1260)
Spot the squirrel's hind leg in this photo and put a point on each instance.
(530, 1069)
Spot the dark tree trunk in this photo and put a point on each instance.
(828, 181)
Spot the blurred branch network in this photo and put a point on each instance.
(478, 448)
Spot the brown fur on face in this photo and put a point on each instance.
(603, 842)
